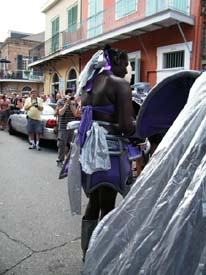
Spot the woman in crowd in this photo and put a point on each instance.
(4, 111)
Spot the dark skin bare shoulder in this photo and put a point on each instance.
(109, 89)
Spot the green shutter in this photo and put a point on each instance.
(55, 35)
(124, 8)
(154, 6)
(182, 6)
(151, 7)
(92, 7)
(19, 62)
(95, 11)
(72, 19)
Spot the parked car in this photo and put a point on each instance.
(18, 122)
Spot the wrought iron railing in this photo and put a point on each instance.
(37, 52)
(110, 20)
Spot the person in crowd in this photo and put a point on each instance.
(4, 111)
(64, 114)
(52, 98)
(13, 106)
(76, 107)
(24, 97)
(76, 103)
(140, 162)
(106, 101)
(34, 106)
(203, 67)
(58, 96)
(44, 98)
(20, 103)
(49, 99)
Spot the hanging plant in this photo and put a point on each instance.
(27, 72)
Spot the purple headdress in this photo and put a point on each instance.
(102, 65)
(98, 63)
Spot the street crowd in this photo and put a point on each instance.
(13, 103)
(67, 109)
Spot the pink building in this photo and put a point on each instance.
(161, 37)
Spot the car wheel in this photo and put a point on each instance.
(11, 130)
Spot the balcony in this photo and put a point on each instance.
(110, 26)
(21, 75)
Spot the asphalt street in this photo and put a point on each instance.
(38, 235)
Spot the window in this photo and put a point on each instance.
(95, 11)
(55, 79)
(55, 84)
(132, 63)
(26, 89)
(55, 35)
(72, 79)
(22, 62)
(124, 8)
(154, 6)
(173, 59)
(134, 59)
(72, 19)
(25, 62)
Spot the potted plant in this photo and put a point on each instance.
(27, 73)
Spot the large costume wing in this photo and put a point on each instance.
(159, 228)
(164, 102)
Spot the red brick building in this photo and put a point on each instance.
(14, 59)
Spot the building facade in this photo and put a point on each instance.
(160, 36)
(60, 72)
(15, 76)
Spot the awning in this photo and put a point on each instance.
(163, 19)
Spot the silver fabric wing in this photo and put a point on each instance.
(74, 179)
(94, 154)
(159, 228)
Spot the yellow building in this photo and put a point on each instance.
(60, 72)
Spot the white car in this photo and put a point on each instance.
(18, 122)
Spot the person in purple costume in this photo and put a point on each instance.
(110, 99)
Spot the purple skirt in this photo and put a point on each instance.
(118, 177)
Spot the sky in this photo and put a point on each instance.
(21, 16)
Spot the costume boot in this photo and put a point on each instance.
(88, 227)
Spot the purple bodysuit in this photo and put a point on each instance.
(117, 176)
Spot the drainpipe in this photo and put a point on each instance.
(197, 41)
(195, 62)
(184, 38)
(80, 63)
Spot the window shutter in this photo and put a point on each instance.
(72, 19)
(95, 11)
(55, 35)
(19, 62)
(35, 58)
(137, 69)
